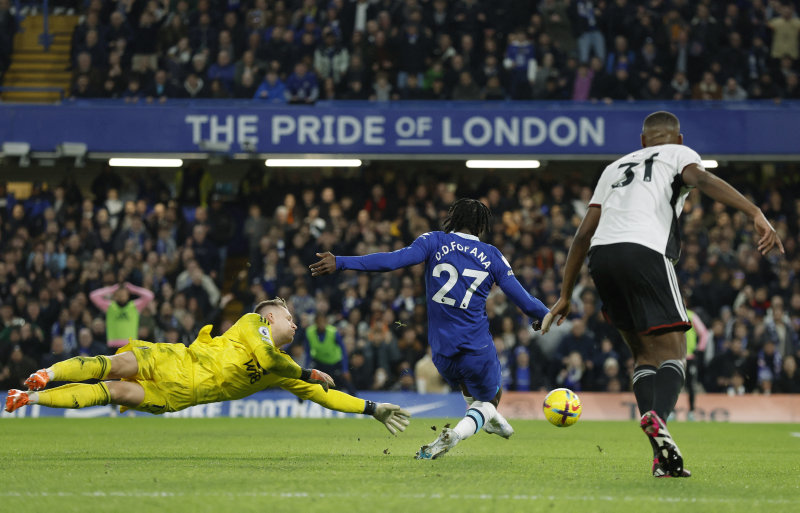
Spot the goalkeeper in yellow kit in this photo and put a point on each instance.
(159, 378)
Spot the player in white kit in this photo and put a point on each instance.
(632, 236)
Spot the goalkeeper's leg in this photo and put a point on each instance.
(79, 395)
(81, 368)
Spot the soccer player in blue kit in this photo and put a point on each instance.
(459, 273)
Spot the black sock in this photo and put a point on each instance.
(644, 387)
(668, 385)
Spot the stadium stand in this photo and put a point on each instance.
(359, 49)
(162, 236)
(207, 258)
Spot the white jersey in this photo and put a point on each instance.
(641, 196)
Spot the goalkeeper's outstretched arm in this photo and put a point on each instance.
(273, 360)
(390, 415)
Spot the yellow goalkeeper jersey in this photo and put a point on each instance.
(240, 362)
(237, 363)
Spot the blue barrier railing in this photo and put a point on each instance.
(45, 38)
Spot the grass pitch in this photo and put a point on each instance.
(353, 465)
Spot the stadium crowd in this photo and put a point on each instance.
(208, 258)
(299, 51)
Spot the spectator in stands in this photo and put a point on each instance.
(160, 88)
(57, 352)
(413, 46)
(733, 58)
(246, 87)
(655, 90)
(83, 66)
(707, 88)
(198, 286)
(733, 91)
(428, 379)
(331, 59)
(90, 22)
(765, 88)
(122, 313)
(82, 88)
(585, 20)
(779, 328)
(573, 375)
(17, 370)
(792, 89)
(785, 33)
(788, 382)
(544, 72)
(133, 93)
(758, 59)
(520, 60)
(493, 90)
(620, 55)
(193, 87)
(94, 47)
(223, 70)
(412, 90)
(272, 89)
(302, 86)
(88, 346)
(381, 89)
(325, 350)
(203, 36)
(145, 41)
(248, 64)
(619, 84)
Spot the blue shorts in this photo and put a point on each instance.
(479, 372)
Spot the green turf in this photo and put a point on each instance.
(332, 465)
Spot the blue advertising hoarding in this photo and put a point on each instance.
(271, 403)
(455, 129)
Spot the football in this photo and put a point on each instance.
(562, 407)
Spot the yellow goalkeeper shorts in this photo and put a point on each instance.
(165, 374)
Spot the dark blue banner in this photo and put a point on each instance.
(272, 403)
(406, 128)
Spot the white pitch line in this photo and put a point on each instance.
(426, 496)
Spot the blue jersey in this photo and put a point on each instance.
(459, 273)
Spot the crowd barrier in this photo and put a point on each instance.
(515, 405)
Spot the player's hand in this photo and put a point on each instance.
(392, 416)
(326, 265)
(768, 237)
(320, 378)
(558, 313)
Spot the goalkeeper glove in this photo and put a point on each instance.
(390, 415)
(317, 377)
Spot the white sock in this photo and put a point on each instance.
(469, 400)
(478, 414)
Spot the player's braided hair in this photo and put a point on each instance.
(277, 301)
(470, 214)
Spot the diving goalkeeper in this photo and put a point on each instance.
(159, 378)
